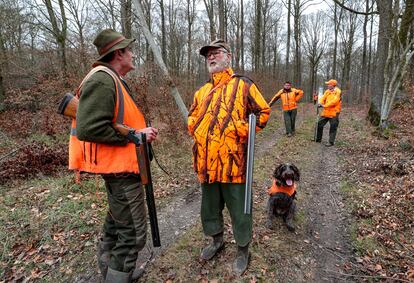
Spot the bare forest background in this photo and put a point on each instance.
(365, 45)
(51, 218)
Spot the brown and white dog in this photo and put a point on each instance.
(282, 195)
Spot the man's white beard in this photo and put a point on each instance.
(218, 67)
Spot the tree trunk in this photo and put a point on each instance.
(126, 18)
(158, 58)
(210, 13)
(384, 34)
(297, 72)
(363, 86)
(406, 22)
(242, 34)
(190, 19)
(221, 12)
(2, 89)
(369, 75)
(257, 35)
(393, 75)
(335, 48)
(59, 34)
(287, 67)
(163, 32)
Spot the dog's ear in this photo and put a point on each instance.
(297, 172)
(278, 172)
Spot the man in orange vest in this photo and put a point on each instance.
(331, 103)
(218, 123)
(290, 96)
(96, 147)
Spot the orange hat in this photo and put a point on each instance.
(331, 82)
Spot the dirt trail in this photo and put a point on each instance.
(321, 246)
(327, 223)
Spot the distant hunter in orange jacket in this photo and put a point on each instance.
(331, 103)
(290, 96)
(218, 123)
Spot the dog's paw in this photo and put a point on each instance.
(269, 225)
(290, 227)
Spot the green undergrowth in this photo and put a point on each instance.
(46, 222)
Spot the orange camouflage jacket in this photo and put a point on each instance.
(218, 122)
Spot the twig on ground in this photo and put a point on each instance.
(12, 152)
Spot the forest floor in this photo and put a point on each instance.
(350, 227)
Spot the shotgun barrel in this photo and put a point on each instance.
(145, 172)
(250, 164)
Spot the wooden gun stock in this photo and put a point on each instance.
(69, 105)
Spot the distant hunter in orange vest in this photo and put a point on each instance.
(331, 103)
(97, 147)
(290, 96)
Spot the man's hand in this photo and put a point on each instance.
(150, 132)
(320, 105)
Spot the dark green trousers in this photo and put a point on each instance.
(217, 195)
(290, 119)
(333, 128)
(125, 226)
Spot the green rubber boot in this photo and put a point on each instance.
(103, 254)
(213, 248)
(115, 276)
(242, 260)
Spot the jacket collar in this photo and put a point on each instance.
(220, 77)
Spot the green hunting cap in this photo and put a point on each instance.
(109, 40)
(218, 43)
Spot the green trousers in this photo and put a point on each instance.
(333, 128)
(125, 227)
(217, 195)
(290, 120)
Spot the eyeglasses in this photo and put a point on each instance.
(215, 53)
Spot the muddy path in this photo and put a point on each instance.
(320, 247)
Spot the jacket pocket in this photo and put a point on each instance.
(236, 161)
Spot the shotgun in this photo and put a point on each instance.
(250, 164)
(316, 98)
(69, 106)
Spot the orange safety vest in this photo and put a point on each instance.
(332, 100)
(104, 158)
(289, 99)
(281, 189)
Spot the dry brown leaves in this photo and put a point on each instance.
(384, 171)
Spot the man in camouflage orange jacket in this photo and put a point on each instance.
(290, 96)
(218, 122)
(331, 103)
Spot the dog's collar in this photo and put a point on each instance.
(289, 190)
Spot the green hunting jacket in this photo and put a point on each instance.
(96, 109)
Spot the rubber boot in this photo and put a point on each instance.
(115, 276)
(242, 260)
(213, 248)
(103, 254)
(137, 273)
